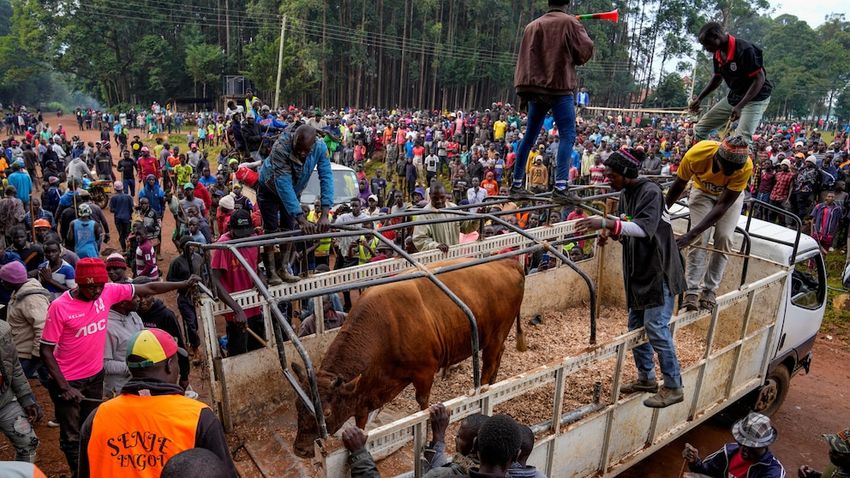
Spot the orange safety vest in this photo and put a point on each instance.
(134, 436)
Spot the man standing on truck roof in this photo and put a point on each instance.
(720, 172)
(653, 272)
(749, 457)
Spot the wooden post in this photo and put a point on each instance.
(279, 62)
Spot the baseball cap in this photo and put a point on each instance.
(151, 346)
(373, 198)
(240, 224)
(839, 442)
(188, 186)
(41, 223)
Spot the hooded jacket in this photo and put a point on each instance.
(26, 315)
(717, 465)
(119, 330)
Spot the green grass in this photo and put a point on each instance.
(835, 322)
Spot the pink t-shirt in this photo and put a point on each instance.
(236, 279)
(78, 330)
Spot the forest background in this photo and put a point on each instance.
(434, 54)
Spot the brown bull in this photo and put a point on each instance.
(403, 333)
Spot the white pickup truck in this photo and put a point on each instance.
(770, 307)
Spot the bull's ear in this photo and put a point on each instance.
(299, 372)
(351, 386)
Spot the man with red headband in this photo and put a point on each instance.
(74, 340)
(720, 172)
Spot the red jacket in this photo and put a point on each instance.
(148, 165)
(202, 193)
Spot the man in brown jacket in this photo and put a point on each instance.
(545, 79)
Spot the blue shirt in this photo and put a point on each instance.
(85, 242)
(207, 180)
(23, 185)
(121, 206)
(276, 173)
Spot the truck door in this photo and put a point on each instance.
(805, 305)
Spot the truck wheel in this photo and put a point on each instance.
(771, 395)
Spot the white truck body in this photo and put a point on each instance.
(756, 328)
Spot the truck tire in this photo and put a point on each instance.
(770, 396)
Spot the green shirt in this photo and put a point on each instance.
(832, 472)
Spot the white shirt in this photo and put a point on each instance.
(59, 151)
(475, 197)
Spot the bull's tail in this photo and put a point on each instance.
(521, 344)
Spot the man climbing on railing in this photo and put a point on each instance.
(720, 172)
(653, 272)
(739, 64)
(283, 176)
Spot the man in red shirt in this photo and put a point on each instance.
(74, 340)
(148, 164)
(229, 276)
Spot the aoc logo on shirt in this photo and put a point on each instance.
(91, 328)
(140, 450)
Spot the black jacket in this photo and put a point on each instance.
(649, 262)
(161, 317)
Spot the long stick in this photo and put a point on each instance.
(279, 62)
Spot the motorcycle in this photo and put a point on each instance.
(99, 191)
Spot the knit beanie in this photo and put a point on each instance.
(116, 260)
(625, 162)
(14, 273)
(91, 270)
(734, 149)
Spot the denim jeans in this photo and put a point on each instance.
(563, 109)
(656, 323)
(17, 428)
(717, 117)
(34, 368)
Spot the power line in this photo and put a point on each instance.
(332, 31)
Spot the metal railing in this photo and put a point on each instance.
(281, 327)
(751, 344)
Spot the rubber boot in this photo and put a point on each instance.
(285, 265)
(271, 269)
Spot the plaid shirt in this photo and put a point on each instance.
(783, 186)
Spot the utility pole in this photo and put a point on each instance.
(279, 62)
(693, 79)
(227, 25)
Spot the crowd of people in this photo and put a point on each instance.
(414, 162)
(89, 330)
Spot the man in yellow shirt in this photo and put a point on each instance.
(720, 172)
(499, 128)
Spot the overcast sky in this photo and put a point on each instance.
(812, 11)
